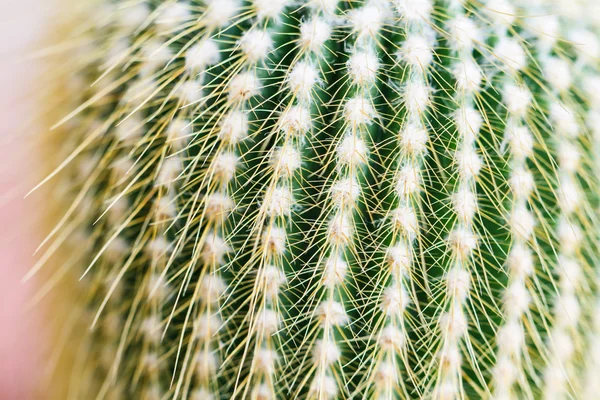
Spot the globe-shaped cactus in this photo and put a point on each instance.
(333, 199)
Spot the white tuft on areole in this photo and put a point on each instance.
(313, 35)
(201, 55)
(256, 45)
(233, 128)
(362, 67)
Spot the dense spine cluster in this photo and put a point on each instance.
(333, 199)
(510, 337)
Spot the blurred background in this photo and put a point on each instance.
(23, 23)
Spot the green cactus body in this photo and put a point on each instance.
(331, 199)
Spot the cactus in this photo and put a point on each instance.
(333, 199)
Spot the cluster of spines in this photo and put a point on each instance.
(406, 91)
(463, 36)
(267, 235)
(346, 156)
(562, 337)
(171, 111)
(519, 265)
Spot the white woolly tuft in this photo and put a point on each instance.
(325, 352)
(274, 240)
(468, 75)
(570, 273)
(358, 111)
(416, 97)
(414, 10)
(129, 129)
(173, 15)
(408, 181)
(265, 360)
(558, 74)
(334, 272)
(391, 338)
(468, 123)
(295, 121)
(285, 160)
(302, 79)
(262, 392)
(520, 261)
(326, 6)
(201, 55)
(464, 203)
(212, 288)
(510, 52)
(256, 45)
(394, 301)
(399, 258)
(511, 338)
(568, 157)
(267, 322)
(339, 230)
(569, 195)
(234, 126)
(269, 9)
(157, 288)
(207, 326)
(313, 34)
(345, 192)
(450, 357)
(323, 387)
(521, 222)
(454, 323)
(505, 372)
(458, 283)
(516, 299)
(405, 219)
(169, 170)
(547, 28)
(417, 51)
(332, 313)
(570, 236)
(272, 279)
(413, 139)
(521, 182)
(190, 92)
(224, 166)
(462, 241)
(220, 12)
(520, 140)
(501, 11)
(178, 131)
(243, 86)
(464, 33)
(386, 374)
(586, 43)
(352, 151)
(468, 163)
(362, 67)
(205, 364)
(278, 202)
(367, 20)
(517, 99)
(214, 249)
(562, 345)
(133, 16)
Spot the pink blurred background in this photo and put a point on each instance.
(22, 24)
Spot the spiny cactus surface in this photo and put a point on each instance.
(323, 199)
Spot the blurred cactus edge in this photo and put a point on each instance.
(322, 199)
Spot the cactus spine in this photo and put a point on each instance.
(334, 199)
